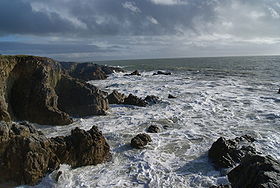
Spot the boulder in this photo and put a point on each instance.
(116, 98)
(88, 71)
(79, 98)
(171, 96)
(256, 171)
(153, 129)
(134, 73)
(162, 73)
(26, 155)
(226, 153)
(151, 99)
(140, 140)
(134, 100)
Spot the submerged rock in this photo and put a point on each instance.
(256, 171)
(153, 129)
(162, 73)
(152, 99)
(116, 98)
(134, 73)
(140, 140)
(26, 155)
(134, 100)
(226, 153)
(80, 99)
(171, 96)
(89, 71)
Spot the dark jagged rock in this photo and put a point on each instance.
(162, 73)
(171, 96)
(153, 129)
(134, 73)
(151, 99)
(226, 153)
(80, 99)
(26, 155)
(256, 171)
(140, 140)
(89, 71)
(27, 90)
(116, 98)
(134, 100)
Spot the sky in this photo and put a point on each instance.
(86, 30)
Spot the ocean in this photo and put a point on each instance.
(223, 96)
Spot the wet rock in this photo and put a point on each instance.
(226, 153)
(26, 155)
(151, 99)
(162, 73)
(134, 73)
(153, 129)
(279, 91)
(134, 100)
(140, 140)
(256, 171)
(171, 96)
(79, 98)
(89, 71)
(116, 98)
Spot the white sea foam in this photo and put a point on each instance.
(206, 107)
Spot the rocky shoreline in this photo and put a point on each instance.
(43, 91)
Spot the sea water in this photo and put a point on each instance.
(226, 96)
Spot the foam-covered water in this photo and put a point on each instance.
(215, 97)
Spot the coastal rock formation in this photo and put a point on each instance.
(89, 71)
(162, 73)
(171, 96)
(134, 73)
(256, 171)
(26, 155)
(140, 141)
(80, 99)
(116, 98)
(153, 129)
(151, 99)
(28, 91)
(226, 153)
(134, 100)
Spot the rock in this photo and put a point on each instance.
(134, 73)
(80, 99)
(134, 100)
(26, 155)
(59, 173)
(27, 90)
(151, 99)
(226, 153)
(140, 140)
(220, 186)
(256, 171)
(279, 91)
(162, 73)
(88, 71)
(153, 129)
(116, 98)
(171, 96)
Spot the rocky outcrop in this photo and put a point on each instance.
(162, 73)
(116, 98)
(28, 91)
(152, 99)
(140, 141)
(134, 100)
(134, 73)
(80, 99)
(89, 71)
(256, 171)
(26, 155)
(226, 153)
(153, 129)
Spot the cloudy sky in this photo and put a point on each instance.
(82, 30)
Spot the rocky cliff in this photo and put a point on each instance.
(32, 88)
